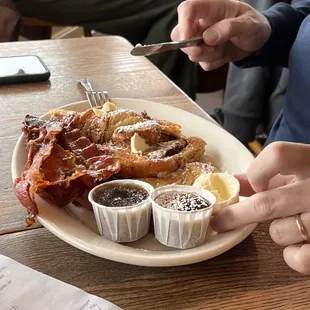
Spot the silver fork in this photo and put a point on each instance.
(95, 98)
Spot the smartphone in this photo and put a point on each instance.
(23, 69)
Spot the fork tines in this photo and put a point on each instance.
(97, 99)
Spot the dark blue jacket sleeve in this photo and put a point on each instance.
(285, 22)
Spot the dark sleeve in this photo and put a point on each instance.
(9, 21)
(285, 22)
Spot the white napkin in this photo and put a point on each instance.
(22, 288)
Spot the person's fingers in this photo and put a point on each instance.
(285, 231)
(187, 19)
(195, 52)
(298, 257)
(202, 53)
(276, 203)
(279, 158)
(197, 15)
(213, 65)
(248, 31)
(175, 34)
(237, 28)
(224, 31)
(281, 180)
(212, 57)
(206, 54)
(222, 24)
(246, 189)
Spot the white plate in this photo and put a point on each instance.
(77, 226)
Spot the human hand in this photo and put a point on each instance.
(278, 183)
(232, 30)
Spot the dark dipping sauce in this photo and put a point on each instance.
(120, 195)
(182, 201)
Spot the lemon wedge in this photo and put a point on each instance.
(224, 186)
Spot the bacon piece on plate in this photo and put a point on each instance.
(57, 174)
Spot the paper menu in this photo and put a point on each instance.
(22, 288)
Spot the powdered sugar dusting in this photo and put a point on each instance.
(138, 126)
(119, 110)
(182, 201)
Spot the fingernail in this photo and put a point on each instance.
(211, 36)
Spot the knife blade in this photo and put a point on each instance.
(147, 50)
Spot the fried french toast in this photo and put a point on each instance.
(167, 148)
(185, 176)
(73, 151)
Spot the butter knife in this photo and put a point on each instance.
(147, 50)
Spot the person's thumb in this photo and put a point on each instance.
(225, 30)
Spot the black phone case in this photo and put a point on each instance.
(27, 78)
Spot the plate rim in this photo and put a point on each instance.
(137, 257)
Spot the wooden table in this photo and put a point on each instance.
(250, 276)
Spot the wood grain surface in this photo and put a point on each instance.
(252, 275)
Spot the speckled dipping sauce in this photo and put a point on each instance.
(182, 201)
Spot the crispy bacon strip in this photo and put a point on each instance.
(39, 148)
(59, 174)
